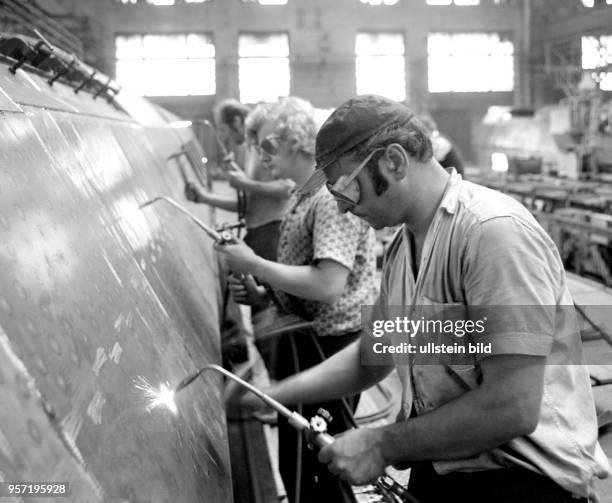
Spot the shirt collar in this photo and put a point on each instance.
(450, 199)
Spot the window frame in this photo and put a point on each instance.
(607, 76)
(370, 31)
(208, 34)
(453, 4)
(503, 35)
(286, 33)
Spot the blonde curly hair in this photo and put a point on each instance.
(294, 121)
(253, 122)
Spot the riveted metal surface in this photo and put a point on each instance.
(95, 292)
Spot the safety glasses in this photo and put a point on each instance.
(269, 145)
(346, 188)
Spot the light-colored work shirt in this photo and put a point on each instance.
(312, 230)
(485, 248)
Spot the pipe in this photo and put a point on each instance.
(223, 237)
(297, 421)
(315, 429)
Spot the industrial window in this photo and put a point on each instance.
(591, 3)
(161, 2)
(263, 66)
(267, 2)
(166, 65)
(469, 62)
(380, 65)
(380, 2)
(461, 3)
(596, 54)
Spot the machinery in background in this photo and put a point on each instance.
(558, 162)
(570, 140)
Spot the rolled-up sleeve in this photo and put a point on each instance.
(512, 280)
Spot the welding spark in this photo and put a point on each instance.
(162, 396)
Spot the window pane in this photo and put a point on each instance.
(439, 44)
(200, 46)
(456, 2)
(166, 65)
(379, 44)
(172, 77)
(384, 75)
(163, 46)
(263, 66)
(470, 62)
(606, 82)
(596, 53)
(501, 73)
(263, 44)
(437, 74)
(263, 79)
(380, 2)
(380, 65)
(128, 47)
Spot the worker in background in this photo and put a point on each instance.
(324, 273)
(266, 197)
(230, 116)
(445, 151)
(509, 426)
(266, 201)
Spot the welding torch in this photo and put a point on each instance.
(220, 237)
(315, 430)
(225, 236)
(232, 163)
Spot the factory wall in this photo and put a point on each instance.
(96, 296)
(321, 36)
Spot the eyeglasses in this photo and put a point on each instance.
(346, 188)
(269, 145)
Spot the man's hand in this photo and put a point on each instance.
(239, 257)
(245, 290)
(355, 456)
(193, 192)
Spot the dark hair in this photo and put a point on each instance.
(229, 109)
(379, 182)
(411, 135)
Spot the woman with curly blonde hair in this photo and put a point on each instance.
(324, 272)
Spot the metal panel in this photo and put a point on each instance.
(95, 292)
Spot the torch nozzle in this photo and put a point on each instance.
(148, 203)
(267, 399)
(219, 238)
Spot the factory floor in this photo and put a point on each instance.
(585, 292)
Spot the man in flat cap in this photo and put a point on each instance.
(515, 423)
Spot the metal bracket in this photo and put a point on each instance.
(86, 82)
(63, 71)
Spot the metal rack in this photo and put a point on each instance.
(23, 17)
